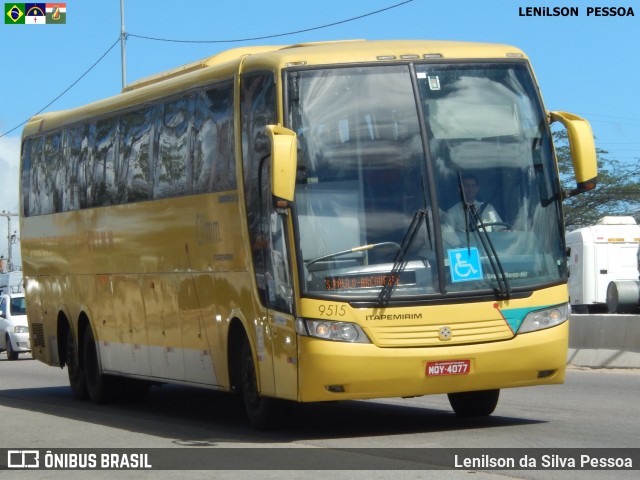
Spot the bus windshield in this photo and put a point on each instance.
(386, 156)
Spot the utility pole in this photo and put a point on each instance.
(11, 238)
(123, 48)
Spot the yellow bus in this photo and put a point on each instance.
(278, 223)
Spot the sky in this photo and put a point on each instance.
(585, 64)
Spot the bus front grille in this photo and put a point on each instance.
(441, 334)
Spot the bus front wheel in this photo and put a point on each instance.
(264, 413)
(474, 404)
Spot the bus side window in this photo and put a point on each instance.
(37, 180)
(133, 173)
(80, 141)
(101, 188)
(26, 176)
(169, 172)
(212, 166)
(57, 171)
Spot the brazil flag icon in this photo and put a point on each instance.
(14, 13)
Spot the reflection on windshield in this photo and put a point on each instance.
(365, 167)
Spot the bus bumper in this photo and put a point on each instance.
(342, 371)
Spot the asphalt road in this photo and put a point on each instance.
(594, 409)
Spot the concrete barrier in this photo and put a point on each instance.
(604, 341)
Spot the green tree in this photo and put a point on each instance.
(617, 191)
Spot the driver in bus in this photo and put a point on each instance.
(457, 218)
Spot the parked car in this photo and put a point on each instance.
(14, 330)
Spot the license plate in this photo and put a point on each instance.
(448, 367)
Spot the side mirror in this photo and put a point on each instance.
(583, 150)
(284, 158)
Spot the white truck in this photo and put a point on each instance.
(603, 266)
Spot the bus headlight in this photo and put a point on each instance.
(331, 330)
(547, 318)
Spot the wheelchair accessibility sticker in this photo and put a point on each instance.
(465, 264)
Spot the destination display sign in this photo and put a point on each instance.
(368, 280)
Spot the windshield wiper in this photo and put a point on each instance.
(400, 262)
(487, 244)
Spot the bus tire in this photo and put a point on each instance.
(264, 413)
(74, 369)
(474, 404)
(101, 388)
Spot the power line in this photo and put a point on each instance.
(264, 37)
(65, 90)
(120, 38)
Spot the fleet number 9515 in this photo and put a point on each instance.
(332, 310)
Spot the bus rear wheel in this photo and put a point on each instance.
(101, 388)
(264, 413)
(74, 369)
(474, 404)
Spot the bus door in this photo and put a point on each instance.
(268, 234)
(278, 294)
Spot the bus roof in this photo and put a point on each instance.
(316, 53)
(217, 59)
